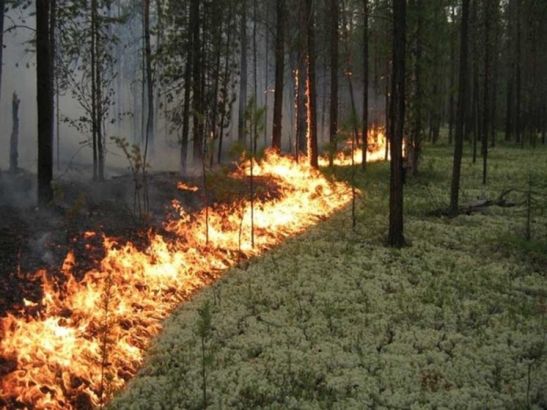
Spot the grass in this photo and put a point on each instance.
(334, 319)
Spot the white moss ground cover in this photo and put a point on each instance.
(334, 319)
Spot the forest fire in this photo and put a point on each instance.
(86, 338)
(377, 146)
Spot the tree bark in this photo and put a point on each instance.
(396, 236)
(197, 106)
(44, 73)
(486, 95)
(365, 85)
(452, 78)
(149, 139)
(243, 76)
(462, 99)
(300, 78)
(14, 138)
(186, 107)
(333, 116)
(311, 88)
(2, 8)
(279, 72)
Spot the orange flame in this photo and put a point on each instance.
(90, 336)
(377, 143)
(183, 186)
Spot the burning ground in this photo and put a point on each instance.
(86, 337)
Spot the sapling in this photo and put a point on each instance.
(204, 330)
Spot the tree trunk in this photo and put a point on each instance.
(149, 138)
(93, 92)
(311, 87)
(186, 107)
(14, 139)
(518, 86)
(300, 78)
(44, 73)
(486, 95)
(197, 106)
(279, 71)
(395, 236)
(333, 116)
(98, 91)
(2, 8)
(452, 78)
(462, 99)
(243, 76)
(365, 85)
(417, 128)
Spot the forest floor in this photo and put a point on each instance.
(333, 318)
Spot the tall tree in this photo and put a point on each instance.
(311, 87)
(334, 40)
(197, 98)
(365, 83)
(395, 236)
(149, 136)
(44, 74)
(279, 72)
(486, 89)
(2, 9)
(460, 115)
(242, 74)
(186, 105)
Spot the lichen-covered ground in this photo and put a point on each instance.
(334, 319)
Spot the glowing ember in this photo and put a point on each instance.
(377, 142)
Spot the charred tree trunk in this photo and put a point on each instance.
(243, 76)
(333, 116)
(365, 85)
(462, 99)
(44, 73)
(14, 139)
(311, 88)
(279, 72)
(395, 236)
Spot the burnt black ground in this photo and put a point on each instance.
(33, 239)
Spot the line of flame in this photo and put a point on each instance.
(90, 335)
